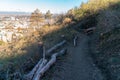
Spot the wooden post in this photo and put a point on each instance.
(40, 49)
(44, 52)
(75, 41)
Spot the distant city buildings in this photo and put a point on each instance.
(14, 27)
(10, 27)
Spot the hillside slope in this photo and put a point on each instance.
(105, 41)
(104, 46)
(77, 64)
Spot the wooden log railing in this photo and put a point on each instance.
(42, 66)
(49, 64)
(48, 53)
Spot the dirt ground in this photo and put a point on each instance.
(77, 64)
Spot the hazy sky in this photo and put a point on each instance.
(55, 6)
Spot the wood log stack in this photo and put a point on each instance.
(43, 65)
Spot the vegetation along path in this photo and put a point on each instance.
(77, 64)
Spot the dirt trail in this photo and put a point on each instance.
(78, 64)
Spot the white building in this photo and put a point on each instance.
(2, 25)
(6, 36)
(13, 18)
(20, 25)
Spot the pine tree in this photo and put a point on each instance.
(36, 18)
(48, 15)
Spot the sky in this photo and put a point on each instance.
(55, 6)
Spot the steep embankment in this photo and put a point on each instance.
(105, 49)
(105, 42)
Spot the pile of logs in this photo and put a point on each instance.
(43, 65)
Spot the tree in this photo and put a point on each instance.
(60, 18)
(36, 18)
(48, 15)
(70, 13)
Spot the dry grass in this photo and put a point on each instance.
(108, 31)
(23, 54)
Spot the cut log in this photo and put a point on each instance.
(48, 53)
(90, 30)
(39, 66)
(49, 64)
(36, 70)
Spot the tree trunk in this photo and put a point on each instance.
(38, 70)
(49, 64)
(39, 66)
(48, 53)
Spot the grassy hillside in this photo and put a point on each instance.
(21, 56)
(105, 16)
